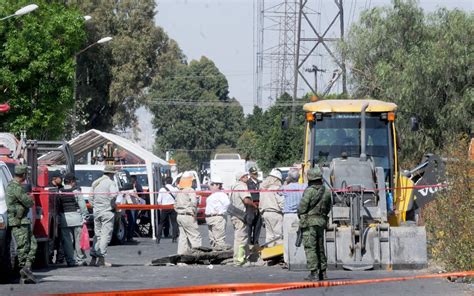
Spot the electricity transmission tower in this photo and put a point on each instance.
(315, 39)
(289, 39)
(275, 46)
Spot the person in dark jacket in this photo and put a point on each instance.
(72, 213)
(255, 227)
(56, 245)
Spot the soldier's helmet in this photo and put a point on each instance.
(253, 170)
(314, 174)
(21, 169)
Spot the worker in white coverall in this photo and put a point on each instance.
(186, 208)
(216, 214)
(271, 207)
(102, 200)
(240, 200)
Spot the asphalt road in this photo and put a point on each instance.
(131, 272)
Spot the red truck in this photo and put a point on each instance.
(45, 215)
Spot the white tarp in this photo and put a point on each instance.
(92, 139)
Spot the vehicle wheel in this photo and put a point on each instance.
(120, 231)
(42, 255)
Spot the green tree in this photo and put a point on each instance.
(266, 141)
(247, 144)
(192, 110)
(423, 63)
(450, 233)
(37, 67)
(184, 161)
(114, 79)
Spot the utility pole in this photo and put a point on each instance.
(315, 70)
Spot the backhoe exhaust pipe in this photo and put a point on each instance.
(363, 155)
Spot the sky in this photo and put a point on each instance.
(223, 30)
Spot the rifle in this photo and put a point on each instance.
(299, 237)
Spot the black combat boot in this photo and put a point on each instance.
(27, 276)
(312, 276)
(101, 262)
(93, 261)
(322, 275)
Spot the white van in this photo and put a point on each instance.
(85, 175)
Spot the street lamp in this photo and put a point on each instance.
(22, 11)
(104, 40)
(100, 41)
(74, 120)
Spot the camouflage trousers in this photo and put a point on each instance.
(313, 241)
(26, 244)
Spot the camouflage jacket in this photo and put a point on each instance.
(18, 204)
(314, 206)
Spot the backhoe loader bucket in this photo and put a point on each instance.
(384, 247)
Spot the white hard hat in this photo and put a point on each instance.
(276, 173)
(187, 174)
(239, 175)
(216, 180)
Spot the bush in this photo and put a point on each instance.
(449, 219)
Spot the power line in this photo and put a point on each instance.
(158, 101)
(207, 76)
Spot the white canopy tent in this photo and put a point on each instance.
(92, 139)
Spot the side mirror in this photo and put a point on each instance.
(414, 124)
(284, 123)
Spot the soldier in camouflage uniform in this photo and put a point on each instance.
(18, 205)
(313, 213)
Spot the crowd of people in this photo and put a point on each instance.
(279, 205)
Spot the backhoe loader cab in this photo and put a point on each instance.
(335, 132)
(355, 144)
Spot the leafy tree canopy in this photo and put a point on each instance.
(192, 109)
(266, 141)
(113, 79)
(423, 63)
(37, 66)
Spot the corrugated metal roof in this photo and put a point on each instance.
(92, 139)
(329, 106)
